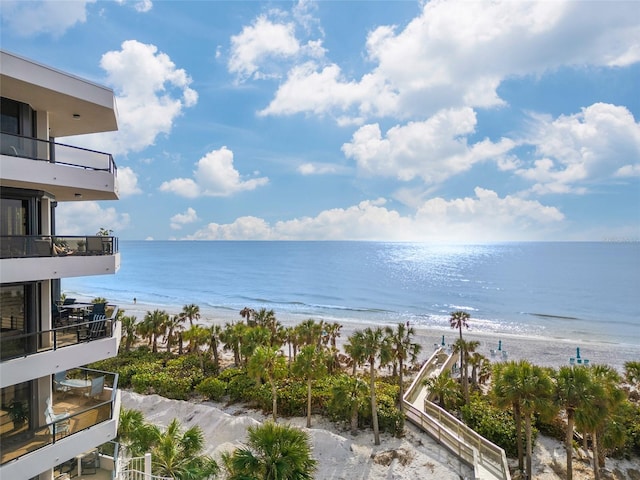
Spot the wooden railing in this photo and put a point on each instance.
(467, 444)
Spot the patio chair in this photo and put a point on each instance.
(58, 378)
(58, 425)
(97, 386)
(95, 329)
(89, 463)
(52, 414)
(99, 308)
(60, 316)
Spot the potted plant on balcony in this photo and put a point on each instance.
(18, 412)
(81, 244)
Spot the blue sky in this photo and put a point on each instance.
(440, 121)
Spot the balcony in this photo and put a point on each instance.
(42, 257)
(69, 173)
(84, 418)
(78, 340)
(29, 246)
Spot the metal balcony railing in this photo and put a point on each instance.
(78, 326)
(27, 246)
(59, 153)
(74, 412)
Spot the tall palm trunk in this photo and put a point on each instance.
(596, 460)
(374, 406)
(309, 402)
(568, 443)
(274, 395)
(401, 383)
(518, 419)
(527, 428)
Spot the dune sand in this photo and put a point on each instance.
(342, 456)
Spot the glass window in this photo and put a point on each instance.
(10, 114)
(13, 216)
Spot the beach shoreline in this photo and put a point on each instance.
(544, 351)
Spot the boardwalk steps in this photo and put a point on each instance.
(488, 460)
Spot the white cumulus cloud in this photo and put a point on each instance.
(432, 150)
(151, 93)
(127, 182)
(43, 16)
(456, 53)
(486, 217)
(572, 152)
(258, 42)
(181, 219)
(214, 176)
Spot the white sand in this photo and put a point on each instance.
(342, 456)
(552, 352)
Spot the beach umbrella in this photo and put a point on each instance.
(578, 352)
(442, 341)
(499, 345)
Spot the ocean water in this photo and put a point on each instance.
(577, 291)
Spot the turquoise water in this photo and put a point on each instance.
(586, 291)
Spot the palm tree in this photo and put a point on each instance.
(355, 349)
(253, 338)
(536, 391)
(477, 361)
(374, 347)
(573, 391)
(192, 312)
(458, 320)
(402, 350)
(632, 372)
(290, 339)
(128, 331)
(268, 362)
(179, 455)
(444, 388)
(267, 319)
(331, 333)
(215, 331)
(598, 411)
(173, 327)
(154, 326)
(246, 313)
(198, 337)
(311, 365)
(348, 393)
(309, 332)
(507, 394)
(273, 452)
(231, 338)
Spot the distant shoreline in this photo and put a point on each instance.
(551, 352)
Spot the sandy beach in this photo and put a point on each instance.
(551, 352)
(342, 456)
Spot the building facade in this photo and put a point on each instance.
(53, 411)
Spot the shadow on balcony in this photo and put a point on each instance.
(74, 409)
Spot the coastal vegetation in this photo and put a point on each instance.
(300, 371)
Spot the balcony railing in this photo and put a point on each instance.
(26, 246)
(75, 412)
(59, 153)
(80, 327)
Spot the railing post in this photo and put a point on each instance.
(147, 465)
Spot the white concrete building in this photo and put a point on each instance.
(53, 412)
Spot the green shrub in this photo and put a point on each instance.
(241, 388)
(163, 384)
(212, 388)
(492, 423)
